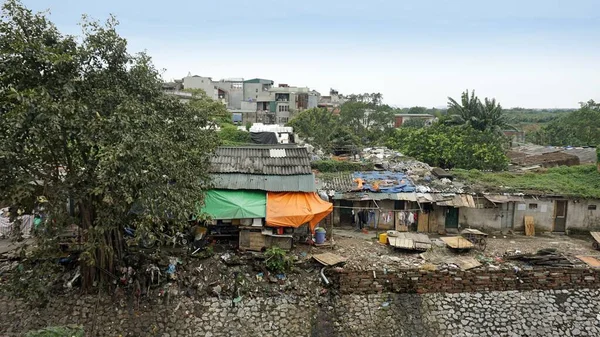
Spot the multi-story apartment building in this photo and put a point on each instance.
(256, 100)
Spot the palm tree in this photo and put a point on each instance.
(481, 116)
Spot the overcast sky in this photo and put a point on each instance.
(527, 53)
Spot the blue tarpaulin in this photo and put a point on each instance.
(383, 182)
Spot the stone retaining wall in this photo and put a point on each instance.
(421, 281)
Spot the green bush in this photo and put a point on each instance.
(58, 331)
(230, 135)
(340, 166)
(450, 147)
(277, 260)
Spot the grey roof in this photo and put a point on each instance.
(262, 159)
(270, 183)
(340, 182)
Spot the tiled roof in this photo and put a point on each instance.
(261, 159)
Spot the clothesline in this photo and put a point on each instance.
(380, 209)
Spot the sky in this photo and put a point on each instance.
(524, 53)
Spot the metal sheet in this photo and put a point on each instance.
(270, 183)
(375, 196)
(459, 200)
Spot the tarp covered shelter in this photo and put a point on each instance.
(264, 138)
(295, 209)
(234, 204)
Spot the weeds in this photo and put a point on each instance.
(277, 260)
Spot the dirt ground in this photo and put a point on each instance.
(364, 252)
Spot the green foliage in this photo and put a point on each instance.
(277, 260)
(414, 123)
(598, 154)
(578, 128)
(486, 115)
(230, 135)
(83, 119)
(58, 331)
(363, 120)
(452, 146)
(218, 111)
(520, 116)
(340, 166)
(580, 181)
(322, 129)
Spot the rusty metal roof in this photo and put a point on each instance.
(262, 159)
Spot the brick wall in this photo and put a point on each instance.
(421, 281)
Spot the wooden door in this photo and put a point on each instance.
(560, 215)
(451, 217)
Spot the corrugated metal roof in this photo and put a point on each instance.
(271, 160)
(269, 183)
(375, 196)
(371, 181)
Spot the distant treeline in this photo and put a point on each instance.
(514, 116)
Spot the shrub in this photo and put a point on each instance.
(277, 260)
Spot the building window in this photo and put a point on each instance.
(256, 89)
(236, 85)
(283, 120)
(532, 207)
(591, 207)
(283, 108)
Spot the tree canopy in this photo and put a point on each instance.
(450, 147)
(577, 128)
(84, 120)
(362, 120)
(486, 115)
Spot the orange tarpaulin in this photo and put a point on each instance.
(295, 209)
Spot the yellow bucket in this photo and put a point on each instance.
(383, 238)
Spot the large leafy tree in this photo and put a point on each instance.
(315, 125)
(578, 128)
(457, 146)
(486, 115)
(84, 120)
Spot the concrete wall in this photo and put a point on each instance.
(251, 91)
(235, 95)
(581, 215)
(200, 82)
(543, 215)
(486, 218)
(313, 101)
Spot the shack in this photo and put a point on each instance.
(262, 195)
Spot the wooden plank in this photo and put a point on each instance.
(596, 236)
(423, 222)
(251, 240)
(329, 259)
(457, 242)
(529, 226)
(589, 260)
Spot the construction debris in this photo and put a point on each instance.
(544, 257)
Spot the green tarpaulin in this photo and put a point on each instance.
(230, 204)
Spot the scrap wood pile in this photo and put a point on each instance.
(548, 257)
